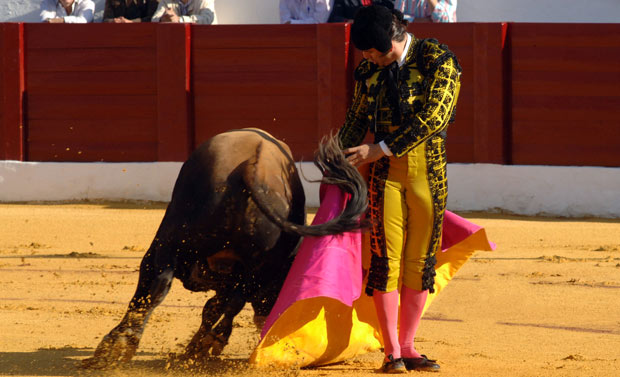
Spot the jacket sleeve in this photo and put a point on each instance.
(205, 15)
(355, 126)
(442, 69)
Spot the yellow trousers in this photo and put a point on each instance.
(405, 210)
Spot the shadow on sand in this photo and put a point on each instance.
(67, 362)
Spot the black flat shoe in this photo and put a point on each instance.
(393, 366)
(421, 363)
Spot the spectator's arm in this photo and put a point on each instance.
(48, 10)
(444, 11)
(285, 13)
(151, 7)
(82, 13)
(205, 15)
(161, 9)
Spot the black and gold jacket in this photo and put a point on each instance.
(428, 87)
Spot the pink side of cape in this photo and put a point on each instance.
(331, 266)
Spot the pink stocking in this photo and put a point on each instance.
(386, 305)
(411, 305)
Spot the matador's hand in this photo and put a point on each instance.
(363, 154)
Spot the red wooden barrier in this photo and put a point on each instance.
(565, 101)
(91, 92)
(102, 92)
(531, 93)
(289, 80)
(12, 129)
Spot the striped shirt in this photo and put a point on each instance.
(445, 11)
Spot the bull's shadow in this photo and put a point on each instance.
(66, 362)
(56, 362)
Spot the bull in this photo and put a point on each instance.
(233, 224)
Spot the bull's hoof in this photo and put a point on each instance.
(115, 348)
(205, 347)
(259, 322)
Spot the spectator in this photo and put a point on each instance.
(67, 11)
(127, 11)
(186, 11)
(344, 10)
(427, 10)
(305, 11)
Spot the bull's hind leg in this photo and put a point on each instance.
(219, 311)
(120, 344)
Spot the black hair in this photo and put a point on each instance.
(375, 26)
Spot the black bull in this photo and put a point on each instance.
(233, 224)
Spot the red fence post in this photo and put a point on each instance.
(490, 91)
(174, 124)
(12, 130)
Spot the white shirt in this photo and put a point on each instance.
(82, 11)
(305, 11)
(401, 62)
(193, 12)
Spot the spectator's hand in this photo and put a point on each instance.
(169, 16)
(57, 20)
(287, 22)
(363, 154)
(122, 20)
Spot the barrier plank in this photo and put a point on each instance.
(92, 83)
(240, 37)
(92, 35)
(92, 139)
(289, 59)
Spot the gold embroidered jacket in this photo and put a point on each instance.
(428, 85)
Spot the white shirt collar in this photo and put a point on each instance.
(403, 57)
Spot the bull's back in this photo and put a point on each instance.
(212, 195)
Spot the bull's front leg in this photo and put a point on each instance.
(120, 344)
(219, 311)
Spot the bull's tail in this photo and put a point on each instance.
(336, 170)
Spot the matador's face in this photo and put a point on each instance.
(381, 59)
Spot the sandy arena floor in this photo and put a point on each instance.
(545, 303)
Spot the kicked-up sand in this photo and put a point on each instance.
(545, 303)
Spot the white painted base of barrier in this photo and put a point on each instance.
(526, 190)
